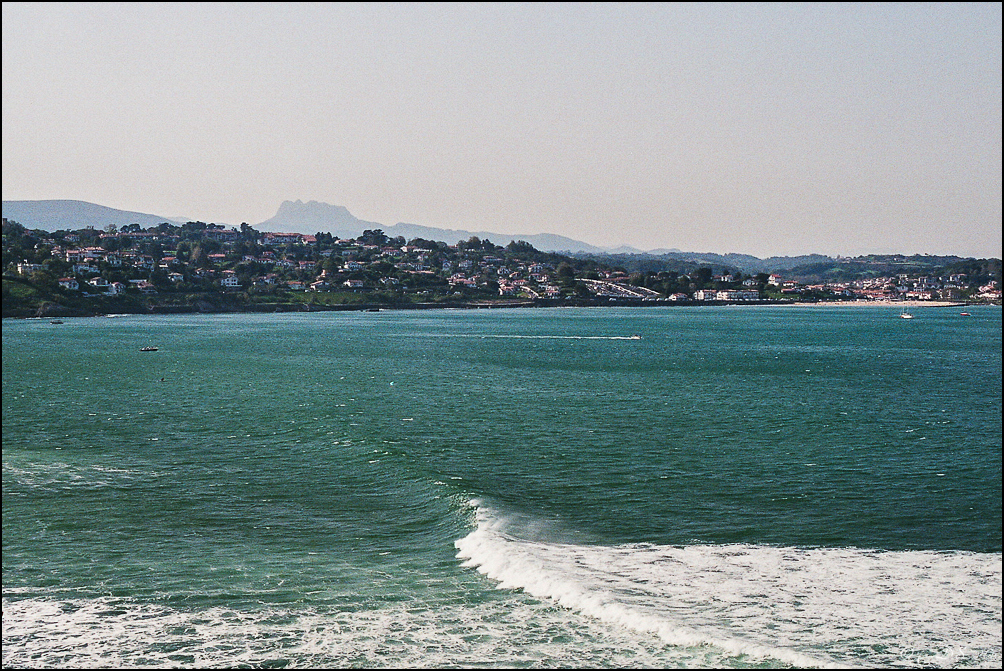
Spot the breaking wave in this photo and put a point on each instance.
(815, 607)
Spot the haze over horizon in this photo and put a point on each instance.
(767, 130)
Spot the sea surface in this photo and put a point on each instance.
(596, 487)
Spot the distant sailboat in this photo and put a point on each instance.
(905, 314)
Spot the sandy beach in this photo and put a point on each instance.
(886, 304)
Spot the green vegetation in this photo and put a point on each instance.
(199, 267)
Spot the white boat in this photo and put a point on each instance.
(905, 314)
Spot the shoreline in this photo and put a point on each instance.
(894, 304)
(53, 311)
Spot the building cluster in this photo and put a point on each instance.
(293, 262)
(901, 287)
(151, 261)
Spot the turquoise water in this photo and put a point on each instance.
(534, 488)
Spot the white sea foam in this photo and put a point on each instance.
(59, 475)
(804, 607)
(506, 633)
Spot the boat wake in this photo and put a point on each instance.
(553, 337)
(805, 607)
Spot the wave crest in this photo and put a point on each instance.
(805, 607)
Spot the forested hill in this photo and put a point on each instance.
(808, 268)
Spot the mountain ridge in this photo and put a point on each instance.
(53, 215)
(291, 217)
(314, 216)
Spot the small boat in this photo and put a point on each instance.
(965, 314)
(56, 321)
(905, 314)
(148, 349)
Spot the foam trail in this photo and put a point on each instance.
(821, 608)
(514, 336)
(506, 336)
(122, 633)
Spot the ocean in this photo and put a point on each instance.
(584, 487)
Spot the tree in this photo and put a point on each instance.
(376, 237)
(422, 243)
(154, 249)
(111, 244)
(520, 247)
(88, 237)
(248, 233)
(565, 273)
(12, 229)
(332, 264)
(158, 278)
(702, 277)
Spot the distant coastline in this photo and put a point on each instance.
(208, 268)
(55, 310)
(887, 304)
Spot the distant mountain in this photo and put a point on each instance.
(809, 268)
(686, 261)
(292, 216)
(54, 215)
(314, 217)
(545, 242)
(624, 249)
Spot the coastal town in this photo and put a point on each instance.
(179, 264)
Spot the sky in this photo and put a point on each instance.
(764, 129)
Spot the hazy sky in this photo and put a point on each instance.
(761, 129)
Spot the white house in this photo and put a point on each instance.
(738, 295)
